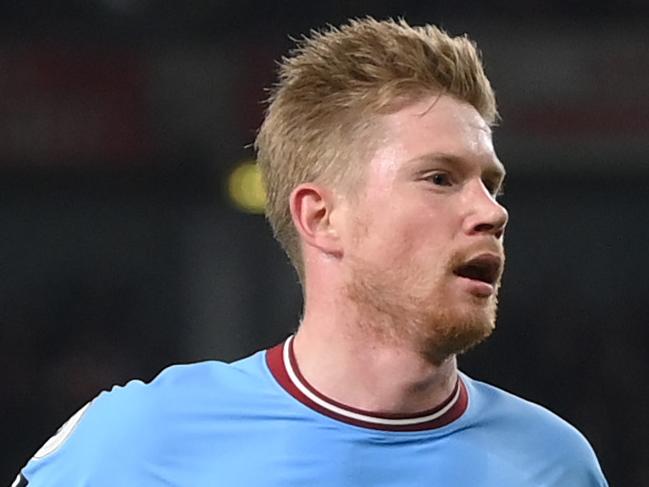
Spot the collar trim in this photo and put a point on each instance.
(283, 366)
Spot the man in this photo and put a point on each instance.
(382, 187)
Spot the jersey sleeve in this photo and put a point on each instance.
(580, 467)
(109, 441)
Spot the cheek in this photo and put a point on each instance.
(399, 229)
(383, 237)
(401, 240)
(428, 238)
(424, 222)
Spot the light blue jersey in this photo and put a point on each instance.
(257, 422)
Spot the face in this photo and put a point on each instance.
(423, 237)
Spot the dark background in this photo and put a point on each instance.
(121, 253)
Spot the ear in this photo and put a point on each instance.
(312, 208)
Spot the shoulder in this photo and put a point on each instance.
(124, 431)
(535, 431)
(142, 408)
(513, 412)
(218, 376)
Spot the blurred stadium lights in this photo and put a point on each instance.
(245, 188)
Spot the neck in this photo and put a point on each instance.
(344, 363)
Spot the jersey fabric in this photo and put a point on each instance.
(257, 422)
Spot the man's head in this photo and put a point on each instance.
(423, 241)
(382, 180)
(321, 125)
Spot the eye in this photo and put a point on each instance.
(496, 188)
(440, 179)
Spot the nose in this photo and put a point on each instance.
(486, 216)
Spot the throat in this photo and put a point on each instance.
(379, 415)
(376, 378)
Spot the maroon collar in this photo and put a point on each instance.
(282, 364)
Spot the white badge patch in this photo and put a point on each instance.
(55, 442)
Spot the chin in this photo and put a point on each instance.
(419, 313)
(444, 333)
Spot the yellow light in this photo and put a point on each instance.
(246, 189)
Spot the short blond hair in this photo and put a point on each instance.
(332, 85)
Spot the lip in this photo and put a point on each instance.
(487, 257)
(485, 267)
(479, 289)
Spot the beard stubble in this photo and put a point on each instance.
(406, 306)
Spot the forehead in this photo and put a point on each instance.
(437, 127)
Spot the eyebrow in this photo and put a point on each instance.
(495, 169)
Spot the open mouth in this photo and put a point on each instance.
(484, 268)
